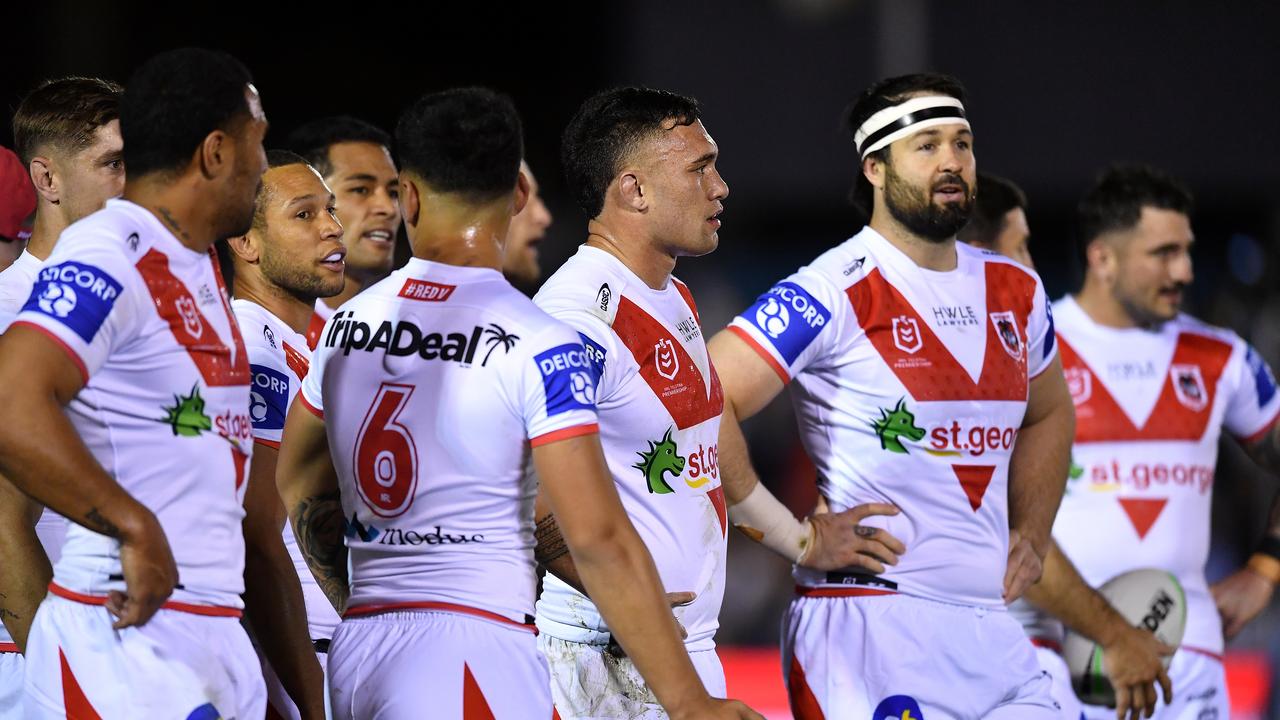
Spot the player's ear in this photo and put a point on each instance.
(44, 178)
(410, 202)
(522, 192)
(873, 169)
(1102, 259)
(214, 154)
(631, 190)
(247, 247)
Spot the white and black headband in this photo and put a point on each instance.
(906, 118)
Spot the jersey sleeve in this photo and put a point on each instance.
(601, 345)
(788, 324)
(552, 386)
(1042, 345)
(310, 392)
(86, 299)
(269, 395)
(1254, 403)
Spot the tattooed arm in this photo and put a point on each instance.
(308, 484)
(37, 378)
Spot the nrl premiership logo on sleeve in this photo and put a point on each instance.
(79, 296)
(789, 317)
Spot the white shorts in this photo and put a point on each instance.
(1199, 691)
(279, 705)
(449, 665)
(11, 672)
(1053, 664)
(178, 665)
(900, 656)
(589, 683)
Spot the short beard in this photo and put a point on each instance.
(921, 216)
(294, 281)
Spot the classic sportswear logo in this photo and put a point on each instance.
(187, 417)
(790, 317)
(894, 425)
(268, 398)
(403, 338)
(79, 296)
(567, 379)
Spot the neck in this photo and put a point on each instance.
(928, 254)
(1102, 307)
(50, 222)
(454, 232)
(292, 310)
(350, 288)
(644, 257)
(178, 207)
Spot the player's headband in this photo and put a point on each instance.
(907, 117)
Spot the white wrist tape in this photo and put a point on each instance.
(762, 518)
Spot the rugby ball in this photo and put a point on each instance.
(1148, 598)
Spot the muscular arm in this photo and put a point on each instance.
(37, 378)
(617, 571)
(25, 572)
(308, 485)
(1037, 475)
(272, 595)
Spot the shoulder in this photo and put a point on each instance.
(1004, 266)
(1185, 324)
(263, 336)
(587, 281)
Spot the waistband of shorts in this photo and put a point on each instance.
(8, 647)
(841, 592)
(432, 606)
(190, 608)
(1047, 644)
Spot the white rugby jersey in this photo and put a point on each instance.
(16, 282)
(434, 384)
(279, 359)
(910, 387)
(1150, 407)
(164, 408)
(660, 404)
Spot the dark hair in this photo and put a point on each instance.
(996, 197)
(465, 140)
(173, 101)
(64, 114)
(1117, 197)
(607, 128)
(885, 94)
(313, 139)
(275, 159)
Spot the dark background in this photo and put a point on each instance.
(1057, 91)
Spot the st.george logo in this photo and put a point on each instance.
(906, 334)
(1079, 384)
(773, 318)
(1188, 386)
(665, 358)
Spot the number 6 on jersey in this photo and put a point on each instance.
(386, 460)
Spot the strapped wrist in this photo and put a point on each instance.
(762, 518)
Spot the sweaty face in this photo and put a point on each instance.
(683, 188)
(929, 181)
(93, 175)
(250, 162)
(1013, 237)
(528, 228)
(1152, 265)
(301, 239)
(368, 189)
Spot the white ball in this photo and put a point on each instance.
(1147, 598)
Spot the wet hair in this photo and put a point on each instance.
(173, 101)
(885, 94)
(64, 114)
(607, 128)
(466, 141)
(313, 139)
(996, 197)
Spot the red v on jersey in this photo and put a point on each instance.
(1143, 512)
(921, 361)
(1183, 409)
(667, 367)
(298, 362)
(190, 328)
(974, 479)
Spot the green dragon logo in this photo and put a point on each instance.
(892, 426)
(187, 417)
(662, 457)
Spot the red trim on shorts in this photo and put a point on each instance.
(474, 704)
(205, 610)
(314, 410)
(564, 434)
(75, 356)
(804, 705)
(1047, 644)
(1261, 433)
(9, 647)
(269, 443)
(764, 354)
(74, 701)
(363, 610)
(852, 591)
(1202, 651)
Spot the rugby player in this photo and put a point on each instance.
(528, 228)
(999, 220)
(128, 366)
(431, 390)
(291, 256)
(925, 376)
